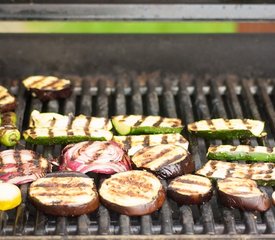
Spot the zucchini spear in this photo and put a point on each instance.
(241, 152)
(48, 136)
(262, 173)
(227, 128)
(137, 124)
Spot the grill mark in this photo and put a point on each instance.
(53, 123)
(128, 193)
(97, 155)
(30, 85)
(158, 122)
(60, 194)
(190, 191)
(146, 141)
(171, 160)
(210, 124)
(194, 126)
(189, 181)
(50, 132)
(154, 157)
(181, 140)
(88, 121)
(62, 185)
(233, 148)
(245, 122)
(106, 121)
(229, 125)
(127, 143)
(164, 139)
(269, 149)
(5, 96)
(251, 149)
(52, 84)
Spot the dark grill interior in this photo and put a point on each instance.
(187, 97)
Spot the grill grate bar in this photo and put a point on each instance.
(136, 106)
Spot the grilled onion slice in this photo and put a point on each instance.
(190, 189)
(133, 193)
(48, 87)
(7, 101)
(243, 194)
(64, 194)
(166, 160)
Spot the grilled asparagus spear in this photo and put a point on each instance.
(227, 128)
(137, 124)
(241, 152)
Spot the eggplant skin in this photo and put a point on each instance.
(47, 95)
(137, 210)
(65, 210)
(259, 203)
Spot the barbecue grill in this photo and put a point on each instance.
(191, 77)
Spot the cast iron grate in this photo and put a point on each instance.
(184, 96)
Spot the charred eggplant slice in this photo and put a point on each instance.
(262, 173)
(241, 152)
(243, 194)
(190, 189)
(134, 143)
(64, 194)
(55, 120)
(165, 160)
(133, 193)
(138, 124)
(48, 136)
(7, 101)
(227, 128)
(48, 87)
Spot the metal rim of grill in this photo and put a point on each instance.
(187, 97)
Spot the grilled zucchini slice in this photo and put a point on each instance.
(134, 143)
(165, 160)
(190, 189)
(241, 152)
(55, 120)
(48, 136)
(243, 194)
(48, 87)
(133, 193)
(7, 101)
(262, 173)
(227, 128)
(137, 124)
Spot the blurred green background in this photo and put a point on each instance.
(117, 27)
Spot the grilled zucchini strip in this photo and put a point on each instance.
(48, 136)
(137, 124)
(9, 134)
(227, 128)
(134, 143)
(262, 173)
(55, 120)
(241, 152)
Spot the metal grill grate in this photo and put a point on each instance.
(181, 96)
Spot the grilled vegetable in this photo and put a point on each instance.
(243, 194)
(166, 160)
(64, 194)
(100, 157)
(9, 136)
(51, 136)
(48, 87)
(137, 124)
(22, 166)
(7, 101)
(133, 193)
(273, 198)
(190, 189)
(262, 173)
(241, 152)
(227, 128)
(55, 120)
(8, 119)
(10, 196)
(134, 143)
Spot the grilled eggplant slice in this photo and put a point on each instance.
(133, 193)
(48, 87)
(134, 143)
(243, 194)
(22, 166)
(137, 124)
(262, 173)
(227, 128)
(165, 160)
(64, 194)
(190, 189)
(241, 152)
(51, 136)
(55, 120)
(7, 101)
